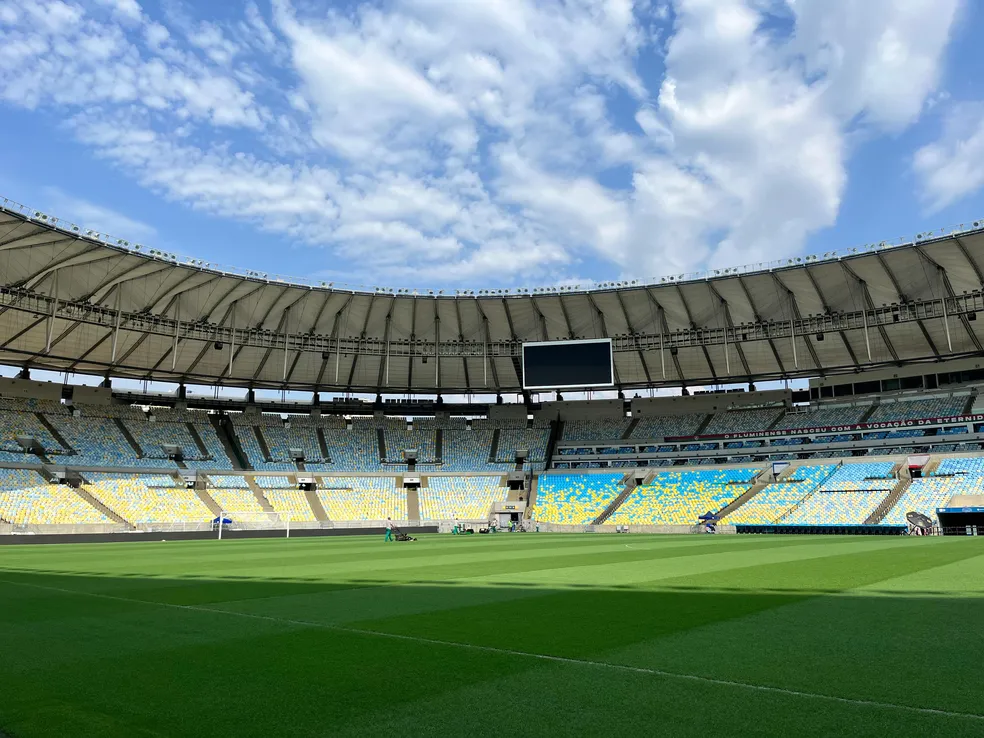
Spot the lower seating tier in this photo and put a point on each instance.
(681, 497)
(138, 503)
(362, 498)
(466, 498)
(48, 504)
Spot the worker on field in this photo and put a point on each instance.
(389, 530)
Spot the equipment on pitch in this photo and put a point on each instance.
(918, 520)
(399, 535)
(243, 521)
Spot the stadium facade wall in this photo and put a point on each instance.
(581, 410)
(899, 372)
(29, 389)
(706, 403)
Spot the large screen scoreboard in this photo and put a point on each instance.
(568, 364)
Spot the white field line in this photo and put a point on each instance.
(525, 654)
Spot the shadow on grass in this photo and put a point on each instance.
(93, 654)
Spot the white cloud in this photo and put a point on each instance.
(879, 58)
(98, 217)
(127, 9)
(54, 54)
(953, 167)
(507, 140)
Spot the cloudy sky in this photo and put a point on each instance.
(469, 143)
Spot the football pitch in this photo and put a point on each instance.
(511, 634)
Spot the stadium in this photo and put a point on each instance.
(782, 468)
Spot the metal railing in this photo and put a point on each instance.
(25, 300)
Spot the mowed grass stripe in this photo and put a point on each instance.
(910, 649)
(230, 556)
(537, 578)
(396, 568)
(492, 652)
(640, 572)
(716, 637)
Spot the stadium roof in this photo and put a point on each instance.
(74, 300)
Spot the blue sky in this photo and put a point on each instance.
(429, 143)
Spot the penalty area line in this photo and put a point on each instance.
(682, 676)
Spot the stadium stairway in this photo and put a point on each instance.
(258, 494)
(323, 445)
(260, 439)
(111, 514)
(794, 508)
(628, 431)
(556, 433)
(704, 423)
(889, 502)
(629, 480)
(868, 413)
(41, 455)
(494, 446)
(229, 442)
(197, 439)
(316, 507)
(381, 442)
(54, 432)
(413, 504)
(763, 480)
(439, 446)
(207, 500)
(129, 437)
(531, 499)
(786, 474)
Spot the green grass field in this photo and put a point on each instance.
(494, 635)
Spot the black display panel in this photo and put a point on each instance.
(567, 364)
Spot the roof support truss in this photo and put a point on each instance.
(693, 325)
(795, 312)
(758, 319)
(903, 298)
(632, 329)
(948, 287)
(828, 311)
(485, 347)
(567, 319)
(314, 325)
(383, 379)
(604, 330)
(730, 324)
(362, 338)
(664, 329)
(461, 339)
(282, 329)
(870, 305)
(515, 338)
